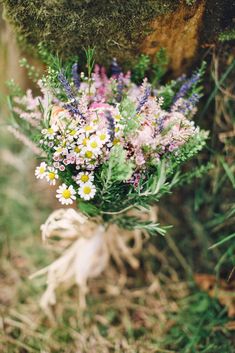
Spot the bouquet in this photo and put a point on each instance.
(112, 148)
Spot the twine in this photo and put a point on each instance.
(87, 247)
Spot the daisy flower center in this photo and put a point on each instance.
(73, 132)
(94, 144)
(84, 142)
(66, 194)
(88, 128)
(84, 178)
(77, 149)
(51, 175)
(102, 137)
(87, 190)
(50, 131)
(88, 154)
(42, 170)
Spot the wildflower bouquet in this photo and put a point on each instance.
(110, 146)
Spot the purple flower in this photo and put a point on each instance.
(186, 86)
(111, 124)
(115, 68)
(144, 98)
(160, 123)
(73, 105)
(120, 86)
(65, 83)
(76, 76)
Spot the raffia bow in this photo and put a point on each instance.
(86, 249)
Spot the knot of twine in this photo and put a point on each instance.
(86, 250)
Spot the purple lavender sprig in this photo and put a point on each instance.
(160, 123)
(76, 76)
(144, 98)
(187, 86)
(111, 125)
(73, 105)
(65, 83)
(115, 68)
(187, 105)
(120, 87)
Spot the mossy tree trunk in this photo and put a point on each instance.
(122, 29)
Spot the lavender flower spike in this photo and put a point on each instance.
(76, 76)
(73, 105)
(120, 86)
(115, 68)
(187, 85)
(145, 97)
(65, 83)
(111, 124)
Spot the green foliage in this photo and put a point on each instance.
(227, 35)
(159, 66)
(118, 168)
(131, 223)
(153, 69)
(14, 89)
(199, 172)
(189, 150)
(33, 73)
(140, 69)
(199, 327)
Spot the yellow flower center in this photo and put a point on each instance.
(51, 175)
(94, 144)
(116, 141)
(84, 142)
(72, 132)
(77, 149)
(59, 149)
(87, 190)
(88, 128)
(102, 137)
(89, 154)
(42, 170)
(66, 194)
(84, 178)
(50, 131)
(117, 117)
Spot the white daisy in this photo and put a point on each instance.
(84, 177)
(52, 175)
(82, 140)
(88, 154)
(103, 136)
(50, 132)
(76, 150)
(87, 191)
(41, 171)
(88, 129)
(94, 145)
(72, 134)
(66, 194)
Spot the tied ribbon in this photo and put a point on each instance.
(86, 249)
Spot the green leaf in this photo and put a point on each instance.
(88, 208)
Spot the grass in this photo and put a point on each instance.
(155, 309)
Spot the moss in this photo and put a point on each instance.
(114, 27)
(227, 35)
(219, 16)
